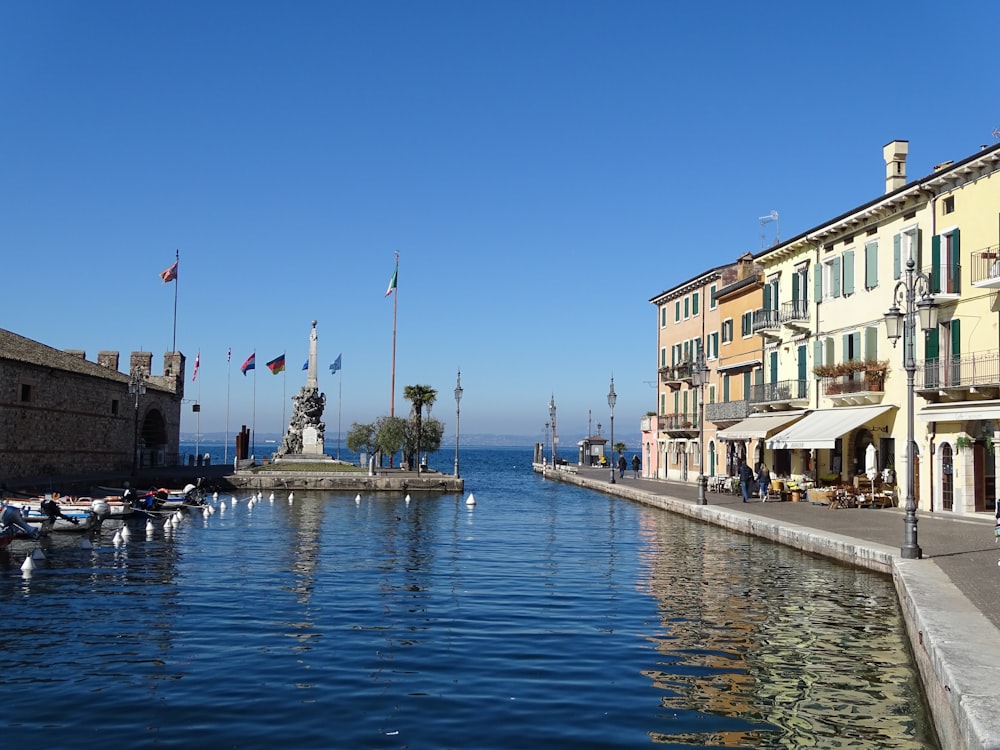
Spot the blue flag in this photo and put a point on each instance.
(306, 365)
(336, 364)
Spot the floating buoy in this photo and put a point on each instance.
(150, 528)
(471, 499)
(222, 505)
(28, 565)
(117, 539)
(125, 533)
(215, 495)
(357, 499)
(291, 496)
(271, 498)
(407, 499)
(38, 554)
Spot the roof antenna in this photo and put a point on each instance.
(773, 216)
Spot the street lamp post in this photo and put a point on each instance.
(552, 419)
(902, 322)
(699, 376)
(136, 388)
(458, 400)
(612, 399)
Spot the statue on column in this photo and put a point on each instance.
(306, 428)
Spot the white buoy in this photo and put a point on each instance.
(28, 565)
(235, 500)
(150, 527)
(271, 498)
(357, 499)
(215, 495)
(117, 539)
(471, 499)
(407, 499)
(85, 544)
(222, 505)
(38, 554)
(126, 533)
(291, 496)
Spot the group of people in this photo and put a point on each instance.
(751, 483)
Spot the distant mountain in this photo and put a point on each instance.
(475, 439)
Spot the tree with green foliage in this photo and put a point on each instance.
(361, 437)
(420, 397)
(390, 434)
(432, 433)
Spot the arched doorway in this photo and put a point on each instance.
(711, 458)
(947, 477)
(153, 439)
(862, 439)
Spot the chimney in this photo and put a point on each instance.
(78, 353)
(108, 359)
(894, 154)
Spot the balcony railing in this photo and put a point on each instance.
(986, 268)
(945, 278)
(686, 421)
(676, 374)
(795, 312)
(727, 411)
(782, 391)
(868, 381)
(765, 319)
(965, 371)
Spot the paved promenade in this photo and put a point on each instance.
(950, 599)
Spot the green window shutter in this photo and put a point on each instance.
(695, 299)
(684, 409)
(956, 338)
(931, 345)
(663, 317)
(677, 311)
(845, 347)
(835, 291)
(663, 357)
(795, 287)
(856, 344)
(936, 264)
(774, 367)
(802, 362)
(828, 355)
(871, 265)
(687, 307)
(725, 388)
(715, 343)
(871, 342)
(711, 297)
(767, 296)
(897, 256)
(848, 272)
(818, 284)
(817, 353)
(953, 268)
(918, 247)
(677, 402)
(663, 403)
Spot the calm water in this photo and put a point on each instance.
(547, 616)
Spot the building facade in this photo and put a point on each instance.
(62, 415)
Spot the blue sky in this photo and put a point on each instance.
(543, 169)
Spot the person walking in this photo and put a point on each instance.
(746, 478)
(763, 480)
(622, 465)
(636, 463)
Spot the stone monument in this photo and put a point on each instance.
(304, 438)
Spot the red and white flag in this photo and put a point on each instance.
(170, 274)
(197, 362)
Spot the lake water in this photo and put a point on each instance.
(545, 616)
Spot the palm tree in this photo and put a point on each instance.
(419, 396)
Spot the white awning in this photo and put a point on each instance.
(740, 365)
(821, 428)
(759, 425)
(960, 411)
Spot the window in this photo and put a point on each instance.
(949, 204)
(727, 330)
(712, 345)
(711, 393)
(871, 265)
(25, 393)
(828, 283)
(695, 299)
(663, 317)
(800, 278)
(114, 407)
(771, 294)
(663, 403)
(944, 271)
(712, 304)
(746, 324)
(663, 357)
(677, 311)
(905, 245)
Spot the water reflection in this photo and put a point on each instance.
(789, 654)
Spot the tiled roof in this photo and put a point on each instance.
(21, 349)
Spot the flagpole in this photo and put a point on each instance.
(197, 423)
(229, 374)
(340, 390)
(176, 284)
(284, 393)
(395, 302)
(253, 415)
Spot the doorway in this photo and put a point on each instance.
(947, 478)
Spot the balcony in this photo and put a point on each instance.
(946, 280)
(766, 321)
(727, 412)
(675, 375)
(795, 314)
(955, 378)
(864, 387)
(986, 268)
(785, 394)
(680, 425)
